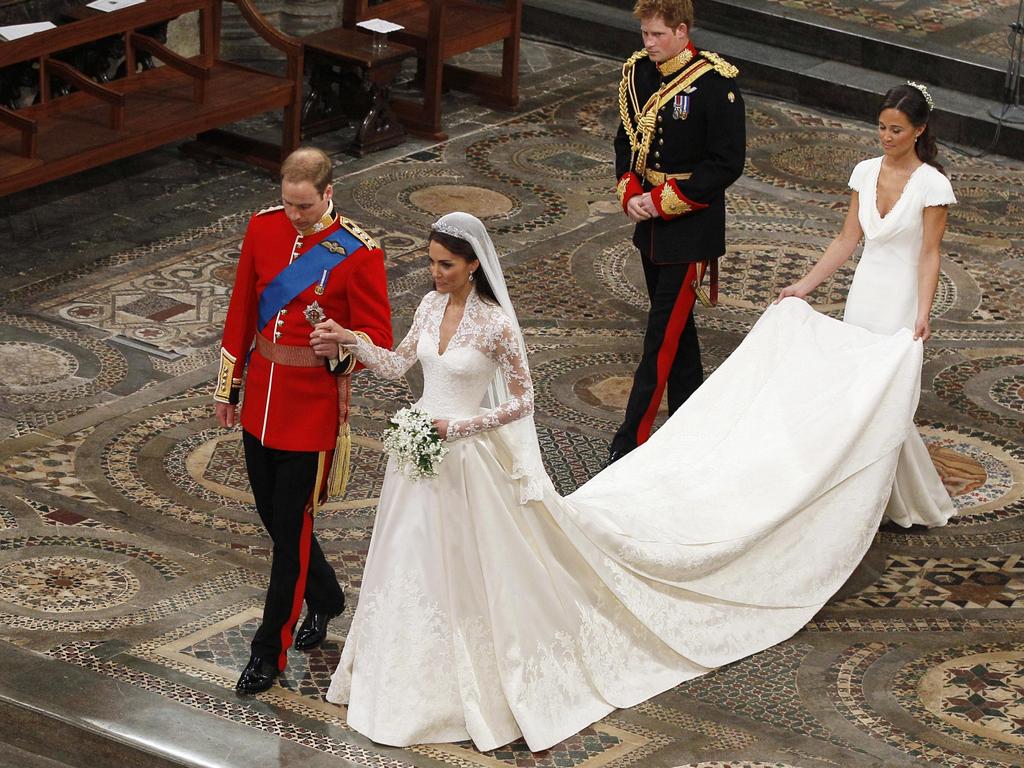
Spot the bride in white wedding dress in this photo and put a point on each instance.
(899, 206)
(492, 608)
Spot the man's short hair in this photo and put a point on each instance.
(672, 12)
(308, 164)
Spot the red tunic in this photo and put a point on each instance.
(287, 407)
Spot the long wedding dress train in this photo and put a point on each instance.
(483, 617)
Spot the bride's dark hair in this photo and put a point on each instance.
(912, 103)
(462, 248)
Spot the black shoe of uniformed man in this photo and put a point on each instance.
(613, 455)
(258, 676)
(313, 629)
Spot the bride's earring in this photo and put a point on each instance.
(472, 276)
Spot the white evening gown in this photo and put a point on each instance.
(484, 618)
(883, 299)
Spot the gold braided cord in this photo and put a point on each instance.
(626, 86)
(648, 117)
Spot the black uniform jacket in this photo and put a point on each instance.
(696, 139)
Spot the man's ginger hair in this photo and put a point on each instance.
(308, 164)
(672, 12)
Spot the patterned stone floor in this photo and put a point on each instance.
(128, 543)
(975, 29)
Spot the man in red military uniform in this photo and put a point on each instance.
(300, 263)
(680, 144)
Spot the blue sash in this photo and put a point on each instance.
(306, 270)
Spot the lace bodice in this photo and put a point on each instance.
(454, 383)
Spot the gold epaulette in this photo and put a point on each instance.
(722, 67)
(271, 209)
(358, 232)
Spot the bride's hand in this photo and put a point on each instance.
(441, 425)
(327, 336)
(923, 329)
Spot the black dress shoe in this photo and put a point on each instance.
(613, 456)
(258, 675)
(313, 630)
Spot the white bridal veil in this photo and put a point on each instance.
(521, 434)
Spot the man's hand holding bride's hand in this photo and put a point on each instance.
(441, 425)
(327, 336)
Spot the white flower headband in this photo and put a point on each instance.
(924, 92)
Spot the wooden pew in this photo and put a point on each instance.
(439, 30)
(183, 98)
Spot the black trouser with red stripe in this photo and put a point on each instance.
(283, 484)
(671, 356)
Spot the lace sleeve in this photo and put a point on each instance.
(384, 362)
(514, 370)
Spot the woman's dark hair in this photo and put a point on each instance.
(460, 247)
(912, 103)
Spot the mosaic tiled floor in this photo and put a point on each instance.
(128, 543)
(976, 29)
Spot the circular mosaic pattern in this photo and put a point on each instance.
(439, 199)
(983, 475)
(802, 161)
(735, 764)
(25, 366)
(591, 390)
(555, 387)
(565, 161)
(986, 204)
(604, 391)
(980, 693)
(99, 367)
(826, 162)
(974, 694)
(66, 584)
(1009, 393)
(211, 466)
(955, 386)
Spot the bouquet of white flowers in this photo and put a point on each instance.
(415, 443)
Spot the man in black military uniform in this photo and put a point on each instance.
(681, 143)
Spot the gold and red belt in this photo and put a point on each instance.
(305, 357)
(657, 178)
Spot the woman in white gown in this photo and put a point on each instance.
(492, 608)
(898, 205)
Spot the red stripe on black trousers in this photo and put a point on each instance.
(298, 595)
(685, 300)
(284, 484)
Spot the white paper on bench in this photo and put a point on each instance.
(14, 31)
(112, 5)
(380, 25)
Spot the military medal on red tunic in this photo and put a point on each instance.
(314, 313)
(322, 282)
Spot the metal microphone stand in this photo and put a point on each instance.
(1011, 111)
